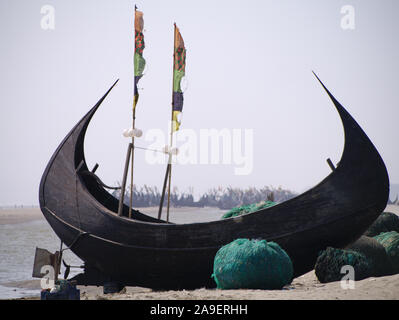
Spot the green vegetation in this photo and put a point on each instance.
(222, 198)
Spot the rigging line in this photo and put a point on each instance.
(155, 150)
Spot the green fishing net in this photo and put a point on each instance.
(330, 262)
(390, 241)
(375, 252)
(238, 211)
(252, 264)
(386, 222)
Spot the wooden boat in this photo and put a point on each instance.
(144, 251)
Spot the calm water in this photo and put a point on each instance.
(19, 241)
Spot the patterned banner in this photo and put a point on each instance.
(139, 62)
(178, 73)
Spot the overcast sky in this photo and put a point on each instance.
(248, 66)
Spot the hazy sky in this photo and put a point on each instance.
(248, 67)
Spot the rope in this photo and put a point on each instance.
(150, 149)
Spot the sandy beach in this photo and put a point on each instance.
(19, 215)
(305, 287)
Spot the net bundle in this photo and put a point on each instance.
(252, 264)
(238, 211)
(329, 264)
(386, 222)
(375, 252)
(390, 241)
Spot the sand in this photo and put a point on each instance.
(20, 215)
(305, 287)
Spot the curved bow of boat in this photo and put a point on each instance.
(367, 176)
(60, 184)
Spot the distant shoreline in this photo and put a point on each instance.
(19, 215)
(19, 206)
(23, 215)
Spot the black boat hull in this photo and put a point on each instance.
(144, 251)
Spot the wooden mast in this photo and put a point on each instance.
(130, 152)
(169, 166)
(171, 125)
(133, 125)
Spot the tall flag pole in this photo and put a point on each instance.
(139, 65)
(179, 66)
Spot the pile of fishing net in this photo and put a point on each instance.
(390, 241)
(252, 264)
(238, 211)
(386, 222)
(370, 257)
(329, 264)
(374, 251)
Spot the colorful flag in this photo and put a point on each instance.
(178, 74)
(139, 62)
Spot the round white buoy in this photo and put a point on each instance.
(137, 133)
(126, 133)
(130, 132)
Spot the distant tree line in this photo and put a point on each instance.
(222, 198)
